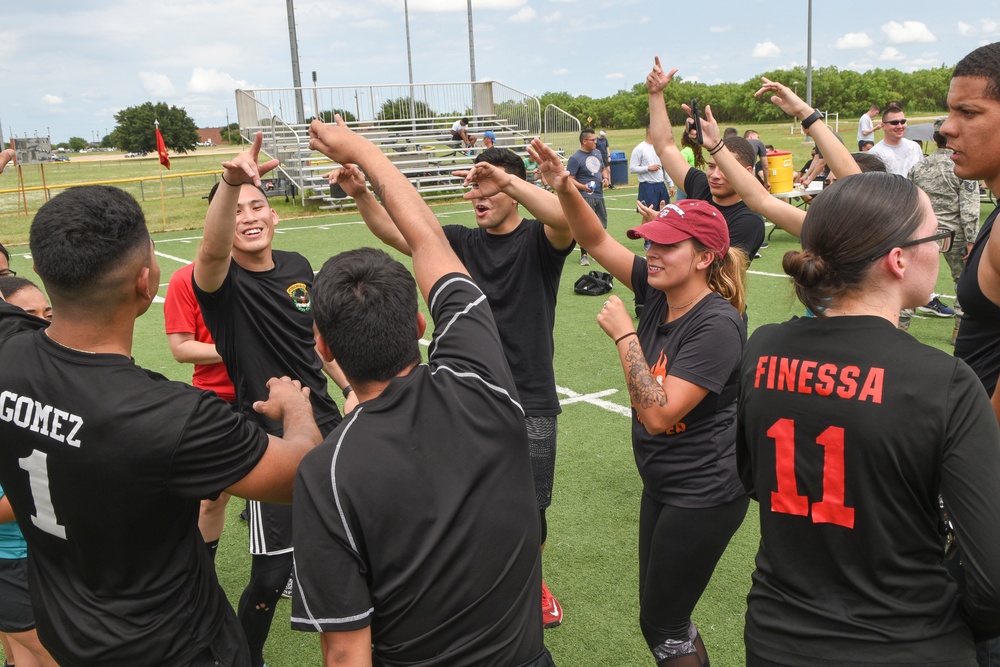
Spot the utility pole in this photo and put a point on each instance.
(472, 46)
(300, 116)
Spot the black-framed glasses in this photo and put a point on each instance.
(901, 121)
(943, 238)
(8, 272)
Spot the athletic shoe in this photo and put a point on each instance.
(936, 308)
(287, 593)
(552, 613)
(584, 261)
(764, 245)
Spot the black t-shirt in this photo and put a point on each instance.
(262, 325)
(848, 431)
(417, 515)
(105, 464)
(694, 464)
(978, 342)
(746, 228)
(519, 272)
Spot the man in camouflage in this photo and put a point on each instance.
(955, 202)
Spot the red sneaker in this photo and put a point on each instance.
(552, 613)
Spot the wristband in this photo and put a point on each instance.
(810, 119)
(621, 338)
(347, 390)
(716, 148)
(232, 185)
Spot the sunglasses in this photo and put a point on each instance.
(901, 121)
(943, 238)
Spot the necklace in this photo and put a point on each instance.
(703, 293)
(66, 346)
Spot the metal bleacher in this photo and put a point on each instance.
(411, 124)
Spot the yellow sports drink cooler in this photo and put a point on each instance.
(780, 171)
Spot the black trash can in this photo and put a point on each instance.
(619, 168)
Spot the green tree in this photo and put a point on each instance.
(403, 108)
(231, 134)
(327, 116)
(134, 131)
(77, 143)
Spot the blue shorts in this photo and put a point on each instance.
(653, 193)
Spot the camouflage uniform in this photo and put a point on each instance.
(955, 202)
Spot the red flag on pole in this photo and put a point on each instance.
(161, 148)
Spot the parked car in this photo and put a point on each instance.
(58, 158)
(137, 154)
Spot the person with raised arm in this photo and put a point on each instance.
(416, 524)
(517, 262)
(680, 367)
(746, 228)
(255, 302)
(746, 185)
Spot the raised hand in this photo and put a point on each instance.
(348, 177)
(783, 97)
(550, 167)
(485, 179)
(657, 80)
(246, 167)
(614, 318)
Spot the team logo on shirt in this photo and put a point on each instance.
(300, 297)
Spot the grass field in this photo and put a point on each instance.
(590, 561)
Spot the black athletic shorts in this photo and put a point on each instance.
(15, 603)
(270, 528)
(228, 649)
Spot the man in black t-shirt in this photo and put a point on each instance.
(517, 262)
(256, 304)
(444, 569)
(105, 463)
(746, 228)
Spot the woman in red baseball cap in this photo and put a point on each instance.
(681, 367)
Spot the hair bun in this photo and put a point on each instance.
(806, 268)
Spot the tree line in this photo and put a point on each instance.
(845, 92)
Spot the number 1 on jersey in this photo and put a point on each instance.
(38, 478)
(787, 499)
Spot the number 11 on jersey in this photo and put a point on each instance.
(786, 498)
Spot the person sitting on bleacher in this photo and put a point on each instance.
(459, 132)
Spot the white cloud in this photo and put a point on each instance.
(854, 40)
(52, 99)
(989, 25)
(212, 81)
(562, 71)
(966, 30)
(156, 84)
(526, 14)
(371, 23)
(720, 28)
(552, 18)
(440, 6)
(891, 53)
(614, 75)
(766, 50)
(908, 32)
(859, 66)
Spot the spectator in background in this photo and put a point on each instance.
(760, 168)
(25, 294)
(866, 131)
(5, 269)
(897, 152)
(460, 132)
(655, 187)
(586, 166)
(191, 343)
(602, 146)
(956, 204)
(489, 139)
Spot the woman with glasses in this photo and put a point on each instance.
(849, 432)
(680, 365)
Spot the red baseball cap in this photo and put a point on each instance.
(687, 219)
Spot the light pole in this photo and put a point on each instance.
(472, 46)
(409, 61)
(809, 57)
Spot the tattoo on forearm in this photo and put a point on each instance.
(642, 386)
(379, 189)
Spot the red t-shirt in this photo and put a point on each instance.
(181, 314)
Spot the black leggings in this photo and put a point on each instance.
(268, 577)
(678, 551)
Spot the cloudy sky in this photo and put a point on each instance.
(67, 67)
